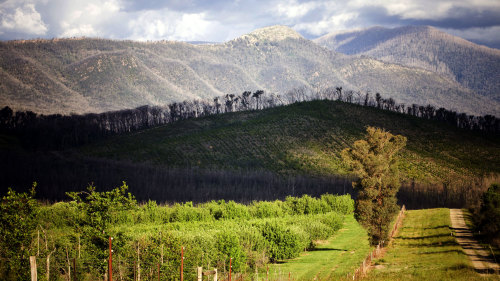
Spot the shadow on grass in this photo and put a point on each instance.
(478, 270)
(434, 244)
(423, 237)
(437, 227)
(326, 249)
(441, 252)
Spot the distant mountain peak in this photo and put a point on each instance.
(272, 33)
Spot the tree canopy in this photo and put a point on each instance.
(374, 160)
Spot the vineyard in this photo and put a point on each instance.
(71, 239)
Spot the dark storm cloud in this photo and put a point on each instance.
(456, 18)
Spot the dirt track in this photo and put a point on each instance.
(479, 257)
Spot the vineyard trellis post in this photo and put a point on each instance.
(182, 263)
(34, 276)
(200, 273)
(110, 263)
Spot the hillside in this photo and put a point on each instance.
(97, 75)
(474, 66)
(305, 138)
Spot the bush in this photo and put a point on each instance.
(235, 211)
(228, 246)
(333, 220)
(283, 243)
(60, 214)
(187, 212)
(316, 229)
(217, 209)
(265, 209)
(342, 204)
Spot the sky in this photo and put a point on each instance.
(223, 20)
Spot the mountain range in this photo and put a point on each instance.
(474, 66)
(82, 75)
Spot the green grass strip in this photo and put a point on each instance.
(331, 260)
(425, 250)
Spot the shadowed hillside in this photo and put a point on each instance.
(262, 154)
(304, 138)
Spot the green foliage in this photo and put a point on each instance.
(306, 139)
(187, 212)
(283, 242)
(99, 209)
(333, 220)
(265, 209)
(374, 161)
(18, 220)
(210, 233)
(489, 215)
(228, 246)
(342, 204)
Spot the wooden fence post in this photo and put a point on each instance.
(215, 274)
(34, 276)
(110, 262)
(199, 271)
(230, 265)
(182, 263)
(138, 263)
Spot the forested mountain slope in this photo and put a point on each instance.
(474, 66)
(96, 75)
(305, 138)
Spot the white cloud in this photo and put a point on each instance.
(165, 24)
(292, 9)
(21, 19)
(87, 18)
(335, 22)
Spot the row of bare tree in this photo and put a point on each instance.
(56, 131)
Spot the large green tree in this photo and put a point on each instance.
(374, 160)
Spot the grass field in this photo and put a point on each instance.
(331, 260)
(425, 250)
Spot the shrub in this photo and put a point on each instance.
(342, 204)
(316, 229)
(333, 220)
(216, 209)
(283, 243)
(187, 212)
(235, 210)
(265, 209)
(228, 246)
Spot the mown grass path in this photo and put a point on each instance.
(424, 249)
(331, 260)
